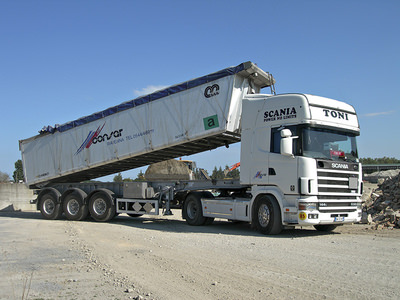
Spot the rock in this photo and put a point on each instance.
(369, 219)
(383, 205)
(366, 218)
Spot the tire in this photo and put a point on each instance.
(49, 207)
(74, 206)
(101, 206)
(325, 228)
(193, 210)
(267, 215)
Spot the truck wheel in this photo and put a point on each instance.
(193, 210)
(325, 228)
(49, 207)
(74, 207)
(101, 207)
(267, 216)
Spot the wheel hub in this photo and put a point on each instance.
(264, 215)
(49, 206)
(73, 207)
(192, 210)
(99, 206)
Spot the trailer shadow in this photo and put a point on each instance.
(175, 225)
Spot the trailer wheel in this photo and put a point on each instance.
(193, 210)
(325, 228)
(101, 206)
(74, 207)
(267, 215)
(49, 207)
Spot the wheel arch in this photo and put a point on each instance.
(70, 191)
(273, 193)
(111, 194)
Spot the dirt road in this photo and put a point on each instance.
(163, 258)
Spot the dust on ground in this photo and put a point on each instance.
(164, 258)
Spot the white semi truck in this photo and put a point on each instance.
(299, 161)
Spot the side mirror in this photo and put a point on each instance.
(287, 142)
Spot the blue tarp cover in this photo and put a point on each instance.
(145, 99)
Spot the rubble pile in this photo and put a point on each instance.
(379, 176)
(383, 205)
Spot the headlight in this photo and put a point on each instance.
(307, 206)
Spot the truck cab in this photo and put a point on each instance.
(299, 151)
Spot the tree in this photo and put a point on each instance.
(140, 176)
(234, 174)
(4, 177)
(380, 161)
(217, 173)
(118, 178)
(18, 173)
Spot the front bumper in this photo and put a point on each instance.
(316, 217)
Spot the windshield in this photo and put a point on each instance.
(329, 144)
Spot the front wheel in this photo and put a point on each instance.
(101, 206)
(267, 216)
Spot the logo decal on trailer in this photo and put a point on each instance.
(95, 137)
(212, 90)
(89, 140)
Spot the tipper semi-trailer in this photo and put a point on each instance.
(299, 161)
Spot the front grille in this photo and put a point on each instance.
(336, 182)
(337, 189)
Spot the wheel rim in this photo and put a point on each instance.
(73, 207)
(192, 210)
(100, 206)
(49, 206)
(264, 215)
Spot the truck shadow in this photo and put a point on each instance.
(175, 225)
(219, 226)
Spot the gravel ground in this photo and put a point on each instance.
(163, 258)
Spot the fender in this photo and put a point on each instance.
(258, 190)
(71, 190)
(110, 193)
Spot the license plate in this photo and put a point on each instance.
(338, 219)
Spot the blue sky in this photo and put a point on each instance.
(60, 60)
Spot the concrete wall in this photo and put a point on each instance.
(15, 197)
